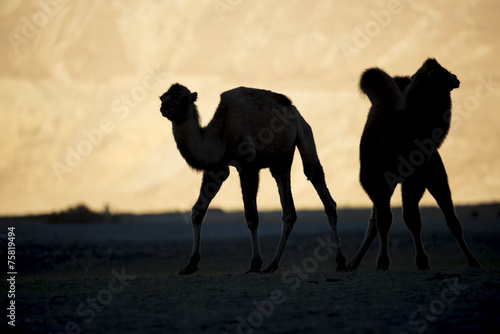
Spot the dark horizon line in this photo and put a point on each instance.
(222, 211)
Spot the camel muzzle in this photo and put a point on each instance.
(455, 83)
(168, 113)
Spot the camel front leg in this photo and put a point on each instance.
(437, 184)
(210, 186)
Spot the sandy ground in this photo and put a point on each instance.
(122, 278)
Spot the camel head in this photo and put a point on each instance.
(176, 101)
(435, 77)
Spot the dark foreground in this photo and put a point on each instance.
(122, 277)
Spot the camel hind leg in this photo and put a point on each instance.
(412, 191)
(437, 184)
(289, 217)
(371, 233)
(314, 173)
(249, 180)
(380, 192)
(383, 216)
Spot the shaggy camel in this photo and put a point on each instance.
(407, 123)
(250, 130)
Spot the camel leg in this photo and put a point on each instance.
(412, 191)
(316, 175)
(289, 215)
(210, 185)
(371, 233)
(380, 192)
(383, 216)
(437, 184)
(249, 180)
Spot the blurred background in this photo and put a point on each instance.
(80, 80)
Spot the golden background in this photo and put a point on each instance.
(80, 80)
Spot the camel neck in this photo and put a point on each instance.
(200, 148)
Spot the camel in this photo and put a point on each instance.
(251, 129)
(407, 123)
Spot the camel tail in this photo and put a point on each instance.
(381, 88)
(307, 149)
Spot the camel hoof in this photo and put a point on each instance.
(251, 270)
(351, 266)
(382, 268)
(423, 266)
(422, 262)
(255, 266)
(188, 270)
(474, 264)
(383, 263)
(341, 265)
(272, 268)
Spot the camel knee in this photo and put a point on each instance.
(455, 228)
(412, 221)
(197, 215)
(252, 219)
(383, 228)
(371, 231)
(289, 220)
(384, 222)
(331, 212)
(314, 173)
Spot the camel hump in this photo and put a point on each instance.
(255, 94)
(402, 82)
(381, 88)
(282, 99)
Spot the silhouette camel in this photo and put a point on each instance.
(250, 130)
(408, 121)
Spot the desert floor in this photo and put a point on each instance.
(121, 277)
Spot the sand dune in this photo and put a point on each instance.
(79, 83)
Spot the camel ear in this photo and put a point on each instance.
(194, 96)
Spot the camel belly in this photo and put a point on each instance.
(262, 150)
